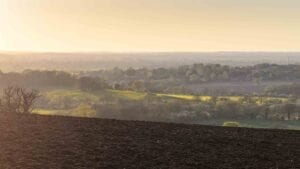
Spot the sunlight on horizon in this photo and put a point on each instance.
(171, 25)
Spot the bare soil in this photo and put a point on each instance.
(43, 142)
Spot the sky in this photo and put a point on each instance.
(149, 25)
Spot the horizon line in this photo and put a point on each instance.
(120, 52)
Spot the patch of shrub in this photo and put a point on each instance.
(231, 124)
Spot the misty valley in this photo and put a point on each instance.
(149, 84)
(262, 95)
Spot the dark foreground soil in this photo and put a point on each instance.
(41, 142)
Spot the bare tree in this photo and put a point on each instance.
(8, 99)
(18, 100)
(27, 99)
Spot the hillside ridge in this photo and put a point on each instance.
(35, 141)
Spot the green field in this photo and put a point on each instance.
(72, 96)
(51, 112)
(75, 95)
(126, 94)
(86, 99)
(257, 123)
(80, 96)
(256, 99)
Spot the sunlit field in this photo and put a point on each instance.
(126, 94)
(81, 96)
(51, 112)
(63, 99)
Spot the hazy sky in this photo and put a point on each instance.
(150, 25)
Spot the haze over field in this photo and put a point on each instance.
(117, 50)
(149, 84)
(18, 61)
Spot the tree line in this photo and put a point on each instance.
(204, 73)
(159, 109)
(159, 79)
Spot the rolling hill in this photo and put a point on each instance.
(35, 141)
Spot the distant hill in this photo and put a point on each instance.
(33, 141)
(18, 61)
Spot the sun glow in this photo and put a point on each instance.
(171, 25)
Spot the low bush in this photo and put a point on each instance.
(231, 124)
